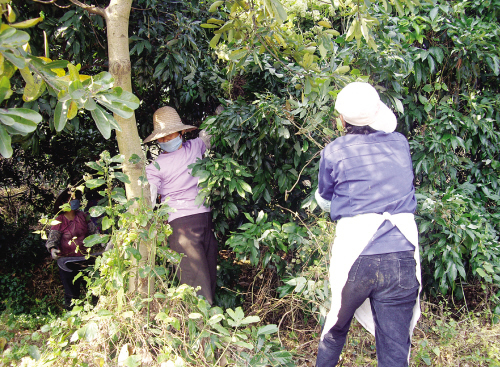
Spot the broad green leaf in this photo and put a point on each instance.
(12, 38)
(94, 183)
(106, 223)
(279, 11)
(61, 115)
(250, 320)
(215, 40)
(104, 80)
(121, 102)
(119, 195)
(5, 143)
(15, 58)
(102, 121)
(20, 120)
(96, 239)
(245, 186)
(267, 329)
(238, 54)
(122, 177)
(96, 211)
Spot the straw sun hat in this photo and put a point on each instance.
(166, 121)
(360, 105)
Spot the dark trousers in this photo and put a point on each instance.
(193, 236)
(71, 286)
(389, 281)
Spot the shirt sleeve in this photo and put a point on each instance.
(53, 239)
(153, 175)
(325, 180)
(205, 137)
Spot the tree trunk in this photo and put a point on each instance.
(129, 143)
(117, 21)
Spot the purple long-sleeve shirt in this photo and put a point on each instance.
(174, 179)
(371, 173)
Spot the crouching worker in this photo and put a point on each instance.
(65, 243)
(366, 183)
(192, 228)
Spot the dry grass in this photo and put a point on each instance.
(445, 336)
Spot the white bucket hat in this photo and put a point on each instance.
(166, 121)
(360, 105)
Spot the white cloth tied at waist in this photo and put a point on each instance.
(351, 237)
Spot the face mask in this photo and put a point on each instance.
(74, 204)
(171, 145)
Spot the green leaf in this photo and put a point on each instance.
(215, 40)
(5, 143)
(96, 211)
(249, 320)
(5, 91)
(215, 6)
(106, 223)
(94, 183)
(267, 329)
(96, 239)
(122, 177)
(119, 195)
(20, 120)
(121, 102)
(207, 25)
(61, 115)
(101, 119)
(238, 54)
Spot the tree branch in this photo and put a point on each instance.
(52, 2)
(90, 8)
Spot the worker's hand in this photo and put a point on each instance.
(55, 253)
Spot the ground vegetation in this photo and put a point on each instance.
(275, 68)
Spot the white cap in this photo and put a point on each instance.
(360, 105)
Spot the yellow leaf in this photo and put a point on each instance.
(72, 110)
(59, 72)
(3, 342)
(11, 15)
(215, 6)
(342, 69)
(333, 32)
(325, 24)
(280, 40)
(8, 69)
(27, 23)
(215, 21)
(73, 72)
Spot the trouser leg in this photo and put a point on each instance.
(193, 236)
(71, 287)
(392, 307)
(354, 293)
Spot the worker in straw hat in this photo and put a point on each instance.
(192, 228)
(365, 182)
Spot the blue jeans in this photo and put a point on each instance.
(389, 281)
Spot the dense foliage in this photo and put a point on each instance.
(276, 70)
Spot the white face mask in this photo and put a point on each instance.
(171, 145)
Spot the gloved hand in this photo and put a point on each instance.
(55, 253)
